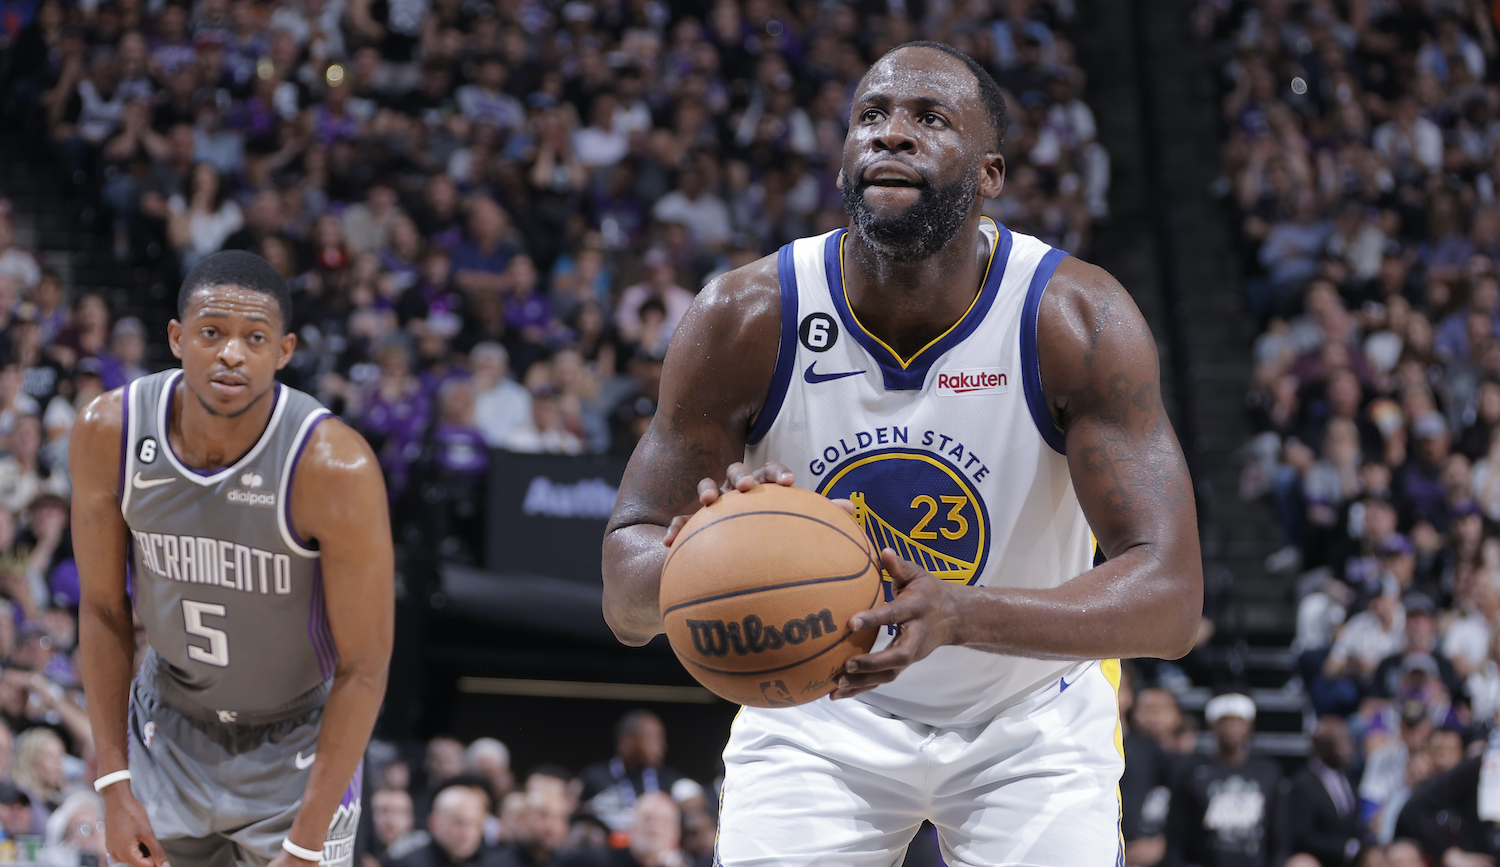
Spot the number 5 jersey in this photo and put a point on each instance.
(231, 598)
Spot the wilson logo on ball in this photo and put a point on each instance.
(752, 635)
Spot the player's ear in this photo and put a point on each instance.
(174, 338)
(991, 175)
(288, 346)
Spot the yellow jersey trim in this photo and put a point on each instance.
(908, 362)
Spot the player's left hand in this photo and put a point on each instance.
(926, 614)
(287, 859)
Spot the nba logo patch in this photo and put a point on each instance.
(148, 733)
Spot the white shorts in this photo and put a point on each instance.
(841, 783)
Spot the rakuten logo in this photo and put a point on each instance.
(982, 380)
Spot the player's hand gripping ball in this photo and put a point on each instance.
(757, 593)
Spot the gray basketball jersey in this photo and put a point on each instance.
(231, 599)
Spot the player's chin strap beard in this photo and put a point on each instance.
(924, 228)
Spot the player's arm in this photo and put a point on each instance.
(106, 637)
(718, 370)
(339, 499)
(1101, 378)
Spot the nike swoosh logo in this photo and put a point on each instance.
(1065, 683)
(142, 484)
(814, 377)
(303, 764)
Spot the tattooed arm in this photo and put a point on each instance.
(716, 376)
(1101, 378)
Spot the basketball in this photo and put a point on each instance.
(758, 590)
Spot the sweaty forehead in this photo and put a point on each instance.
(229, 299)
(919, 72)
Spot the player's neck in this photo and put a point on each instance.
(205, 441)
(907, 304)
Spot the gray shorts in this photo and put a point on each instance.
(223, 794)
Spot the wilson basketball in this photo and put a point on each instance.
(758, 590)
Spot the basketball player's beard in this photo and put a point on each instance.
(924, 228)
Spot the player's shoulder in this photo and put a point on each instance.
(104, 414)
(748, 294)
(1081, 288)
(737, 316)
(335, 449)
(1086, 310)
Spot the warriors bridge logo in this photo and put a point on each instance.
(919, 505)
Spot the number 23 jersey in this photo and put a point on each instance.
(231, 599)
(950, 456)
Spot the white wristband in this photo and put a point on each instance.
(313, 855)
(110, 779)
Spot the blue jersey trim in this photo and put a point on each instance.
(786, 353)
(911, 374)
(1031, 363)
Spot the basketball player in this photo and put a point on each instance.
(984, 402)
(249, 529)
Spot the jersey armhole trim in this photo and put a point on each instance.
(284, 509)
(127, 436)
(128, 429)
(786, 352)
(1031, 362)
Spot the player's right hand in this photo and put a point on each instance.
(128, 838)
(737, 478)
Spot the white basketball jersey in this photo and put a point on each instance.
(950, 457)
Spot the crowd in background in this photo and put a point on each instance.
(1361, 175)
(492, 216)
(454, 804)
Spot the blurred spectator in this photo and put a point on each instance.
(479, 262)
(16, 263)
(490, 759)
(76, 828)
(21, 475)
(122, 364)
(16, 814)
(1369, 637)
(655, 836)
(456, 825)
(1321, 808)
(1386, 768)
(1145, 786)
(660, 286)
(501, 405)
(461, 454)
(203, 218)
(1225, 807)
(1443, 816)
(396, 835)
(1156, 716)
(37, 767)
(541, 830)
(611, 788)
